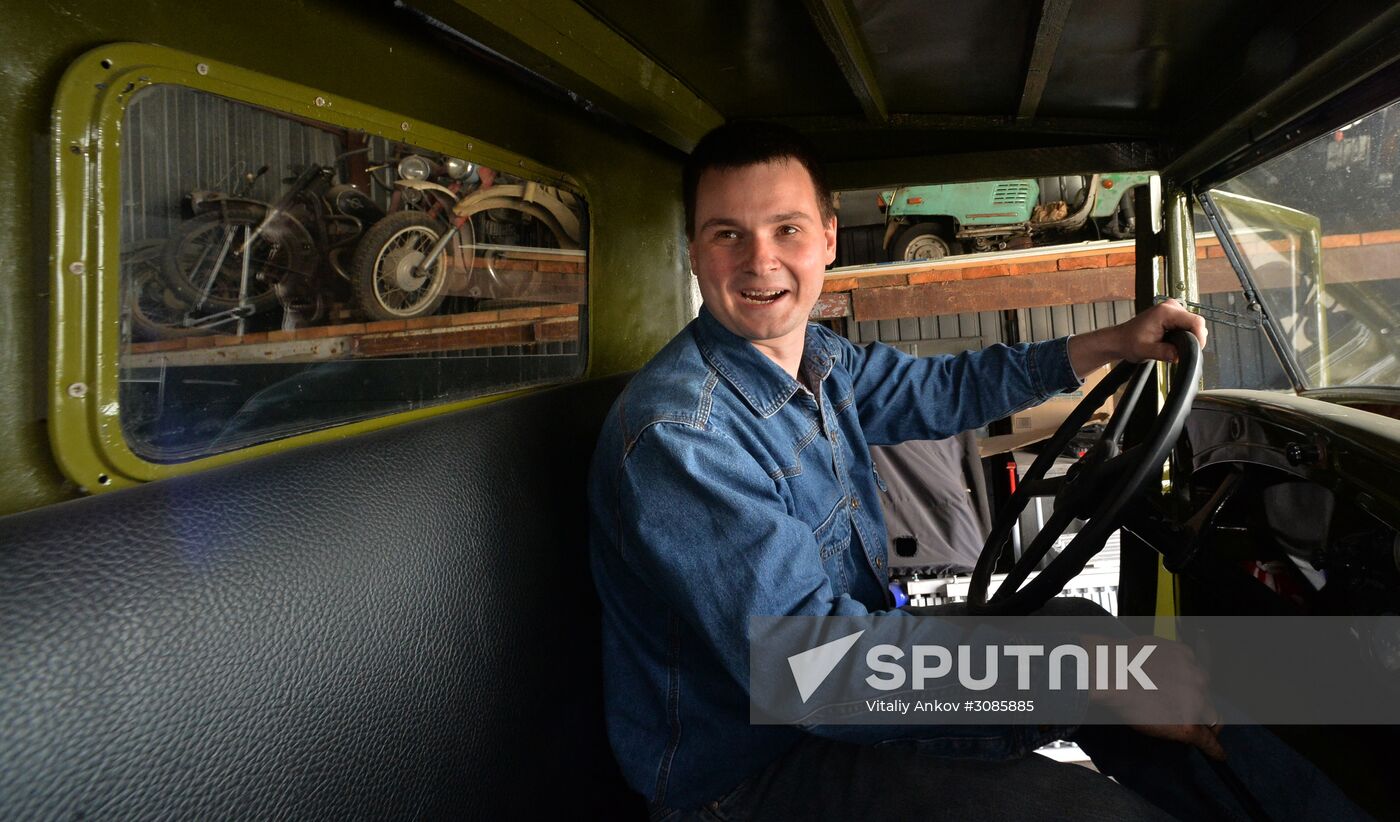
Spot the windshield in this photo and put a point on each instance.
(1317, 234)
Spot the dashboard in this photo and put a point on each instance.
(1312, 508)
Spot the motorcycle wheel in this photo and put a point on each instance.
(389, 284)
(203, 256)
(155, 313)
(151, 312)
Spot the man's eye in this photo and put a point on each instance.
(788, 229)
(726, 234)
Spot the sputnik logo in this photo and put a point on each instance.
(811, 668)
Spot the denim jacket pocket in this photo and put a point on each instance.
(833, 538)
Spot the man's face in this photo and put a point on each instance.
(760, 251)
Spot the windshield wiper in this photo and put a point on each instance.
(1251, 293)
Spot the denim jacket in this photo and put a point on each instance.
(723, 489)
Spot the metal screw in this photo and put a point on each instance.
(77, 267)
(404, 125)
(321, 101)
(202, 68)
(77, 390)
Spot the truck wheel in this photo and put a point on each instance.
(921, 241)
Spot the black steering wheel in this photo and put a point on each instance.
(1096, 488)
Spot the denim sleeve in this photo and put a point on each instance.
(901, 397)
(703, 523)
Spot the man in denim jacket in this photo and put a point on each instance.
(733, 478)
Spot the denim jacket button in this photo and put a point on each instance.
(855, 503)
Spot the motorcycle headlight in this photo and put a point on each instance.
(457, 168)
(414, 167)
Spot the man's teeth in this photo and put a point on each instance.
(763, 296)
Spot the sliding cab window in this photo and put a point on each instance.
(281, 275)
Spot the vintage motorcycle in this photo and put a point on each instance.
(409, 262)
(239, 256)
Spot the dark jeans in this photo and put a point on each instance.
(1155, 779)
(824, 780)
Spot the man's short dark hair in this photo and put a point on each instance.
(748, 143)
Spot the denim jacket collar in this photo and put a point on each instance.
(763, 384)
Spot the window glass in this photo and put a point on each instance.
(1239, 354)
(1318, 231)
(281, 275)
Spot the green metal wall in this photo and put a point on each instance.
(639, 286)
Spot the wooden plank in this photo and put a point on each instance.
(556, 330)
(1362, 263)
(524, 284)
(546, 292)
(1214, 275)
(1022, 257)
(456, 339)
(292, 351)
(1083, 263)
(533, 253)
(936, 275)
(993, 294)
(1379, 237)
(831, 306)
(1083, 277)
(528, 312)
(433, 321)
(869, 280)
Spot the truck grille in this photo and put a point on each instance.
(1011, 193)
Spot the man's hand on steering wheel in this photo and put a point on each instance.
(1098, 487)
(1144, 337)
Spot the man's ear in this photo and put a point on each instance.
(829, 234)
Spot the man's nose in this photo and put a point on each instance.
(762, 255)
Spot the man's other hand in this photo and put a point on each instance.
(1182, 693)
(1141, 338)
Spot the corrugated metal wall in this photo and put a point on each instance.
(952, 333)
(178, 139)
(1237, 357)
(925, 336)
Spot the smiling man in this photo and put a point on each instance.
(733, 478)
(762, 237)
